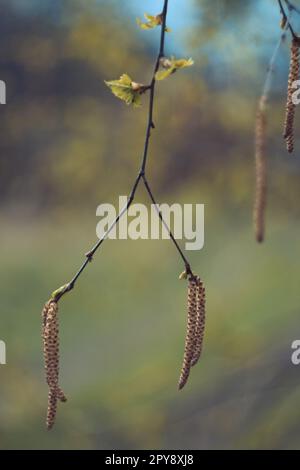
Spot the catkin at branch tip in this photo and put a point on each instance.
(50, 335)
(288, 132)
(195, 328)
(260, 171)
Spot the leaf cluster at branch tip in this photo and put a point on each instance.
(171, 65)
(152, 22)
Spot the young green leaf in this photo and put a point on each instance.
(127, 90)
(59, 292)
(171, 65)
(183, 275)
(162, 74)
(152, 22)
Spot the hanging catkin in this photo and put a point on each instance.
(50, 331)
(260, 171)
(200, 321)
(288, 133)
(51, 410)
(190, 334)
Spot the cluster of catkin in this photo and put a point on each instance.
(288, 132)
(195, 328)
(260, 171)
(50, 335)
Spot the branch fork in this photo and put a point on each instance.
(125, 87)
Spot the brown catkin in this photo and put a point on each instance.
(288, 133)
(200, 321)
(260, 171)
(190, 334)
(52, 407)
(50, 332)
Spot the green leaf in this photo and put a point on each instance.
(162, 74)
(124, 90)
(182, 63)
(152, 22)
(58, 292)
(171, 65)
(183, 275)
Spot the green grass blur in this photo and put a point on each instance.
(122, 337)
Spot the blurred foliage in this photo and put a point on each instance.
(66, 141)
(68, 145)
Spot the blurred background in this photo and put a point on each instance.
(67, 145)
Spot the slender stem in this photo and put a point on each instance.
(292, 7)
(161, 52)
(282, 10)
(271, 66)
(141, 175)
(91, 253)
(186, 263)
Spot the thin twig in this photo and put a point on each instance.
(292, 7)
(141, 175)
(285, 16)
(186, 263)
(152, 86)
(271, 66)
(260, 144)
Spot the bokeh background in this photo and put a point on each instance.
(66, 146)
